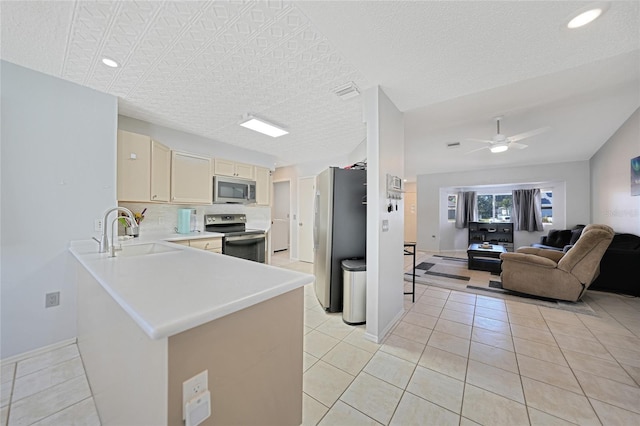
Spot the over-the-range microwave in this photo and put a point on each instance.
(232, 190)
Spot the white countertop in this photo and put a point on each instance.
(170, 292)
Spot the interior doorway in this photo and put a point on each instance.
(280, 217)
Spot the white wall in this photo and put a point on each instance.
(182, 141)
(611, 200)
(385, 250)
(571, 199)
(58, 175)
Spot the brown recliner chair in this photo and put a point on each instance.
(554, 274)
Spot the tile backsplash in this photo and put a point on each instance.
(164, 217)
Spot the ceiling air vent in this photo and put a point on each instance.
(453, 145)
(347, 91)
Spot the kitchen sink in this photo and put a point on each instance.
(144, 249)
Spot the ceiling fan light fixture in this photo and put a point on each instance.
(259, 125)
(499, 147)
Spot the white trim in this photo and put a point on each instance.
(378, 339)
(39, 351)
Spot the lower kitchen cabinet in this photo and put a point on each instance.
(210, 244)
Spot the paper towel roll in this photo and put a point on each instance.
(184, 221)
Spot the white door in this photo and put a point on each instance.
(280, 216)
(306, 197)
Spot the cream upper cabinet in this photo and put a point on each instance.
(231, 168)
(263, 186)
(143, 168)
(190, 178)
(160, 172)
(134, 166)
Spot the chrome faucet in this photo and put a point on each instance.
(104, 239)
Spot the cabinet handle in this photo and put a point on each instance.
(154, 197)
(206, 246)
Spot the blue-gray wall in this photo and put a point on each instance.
(58, 157)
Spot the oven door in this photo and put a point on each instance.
(250, 247)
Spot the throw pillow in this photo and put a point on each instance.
(558, 238)
(575, 234)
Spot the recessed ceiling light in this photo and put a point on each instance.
(110, 62)
(586, 15)
(262, 126)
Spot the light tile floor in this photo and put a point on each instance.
(463, 359)
(47, 389)
(454, 358)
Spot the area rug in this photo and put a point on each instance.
(452, 273)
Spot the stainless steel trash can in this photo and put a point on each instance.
(354, 297)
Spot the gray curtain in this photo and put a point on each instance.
(527, 210)
(466, 209)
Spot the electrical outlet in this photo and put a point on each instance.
(52, 299)
(192, 388)
(97, 225)
(160, 220)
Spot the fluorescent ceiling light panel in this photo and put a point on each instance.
(262, 126)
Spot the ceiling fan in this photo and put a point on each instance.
(500, 142)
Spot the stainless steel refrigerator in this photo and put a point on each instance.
(340, 230)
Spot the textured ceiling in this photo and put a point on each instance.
(451, 66)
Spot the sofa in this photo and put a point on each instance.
(554, 274)
(559, 239)
(620, 266)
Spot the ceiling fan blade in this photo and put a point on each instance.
(528, 134)
(517, 145)
(479, 140)
(476, 150)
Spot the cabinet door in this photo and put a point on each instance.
(211, 244)
(190, 178)
(263, 186)
(224, 167)
(244, 171)
(133, 167)
(160, 172)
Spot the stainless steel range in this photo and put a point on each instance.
(238, 241)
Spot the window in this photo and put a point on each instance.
(494, 207)
(547, 206)
(452, 200)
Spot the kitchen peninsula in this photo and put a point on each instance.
(160, 313)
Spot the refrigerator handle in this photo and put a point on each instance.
(316, 220)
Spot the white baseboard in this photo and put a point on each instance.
(39, 351)
(381, 337)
